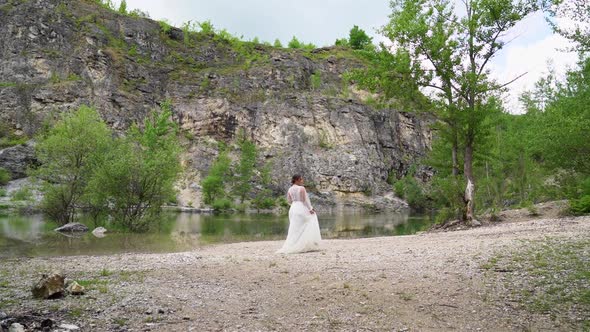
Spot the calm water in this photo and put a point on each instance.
(33, 236)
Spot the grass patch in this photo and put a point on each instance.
(22, 194)
(550, 277)
(105, 273)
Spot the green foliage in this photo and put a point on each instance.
(410, 190)
(560, 128)
(264, 201)
(432, 34)
(165, 26)
(8, 138)
(221, 204)
(358, 38)
(277, 43)
(137, 175)
(389, 75)
(294, 43)
(315, 80)
(106, 4)
(214, 184)
(581, 205)
(206, 27)
(3, 192)
(245, 167)
(342, 42)
(4, 176)
(129, 177)
(68, 154)
(123, 7)
(22, 194)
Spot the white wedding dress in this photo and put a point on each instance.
(304, 229)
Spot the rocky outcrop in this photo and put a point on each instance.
(57, 55)
(18, 159)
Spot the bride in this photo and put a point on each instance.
(304, 230)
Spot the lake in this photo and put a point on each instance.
(33, 236)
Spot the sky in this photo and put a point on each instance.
(534, 49)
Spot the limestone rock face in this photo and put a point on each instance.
(293, 104)
(17, 159)
(50, 286)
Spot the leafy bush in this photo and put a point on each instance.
(409, 189)
(221, 204)
(358, 38)
(207, 27)
(214, 184)
(2, 192)
(445, 214)
(4, 176)
(294, 43)
(264, 201)
(128, 178)
(277, 43)
(22, 194)
(581, 205)
(138, 173)
(68, 154)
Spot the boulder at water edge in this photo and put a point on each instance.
(50, 286)
(99, 231)
(72, 227)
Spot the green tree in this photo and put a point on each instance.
(138, 173)
(123, 7)
(245, 168)
(278, 43)
(68, 154)
(457, 52)
(214, 183)
(358, 38)
(294, 43)
(577, 12)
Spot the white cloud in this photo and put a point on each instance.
(535, 50)
(534, 59)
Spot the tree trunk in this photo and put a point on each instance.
(468, 212)
(454, 155)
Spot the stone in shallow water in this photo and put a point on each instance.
(99, 231)
(50, 286)
(72, 227)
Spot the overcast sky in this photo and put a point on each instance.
(321, 22)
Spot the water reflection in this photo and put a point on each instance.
(33, 236)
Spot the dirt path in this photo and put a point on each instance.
(426, 282)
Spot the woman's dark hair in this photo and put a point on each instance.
(295, 178)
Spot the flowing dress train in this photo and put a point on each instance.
(304, 229)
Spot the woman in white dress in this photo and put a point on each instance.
(304, 229)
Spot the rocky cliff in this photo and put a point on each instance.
(58, 54)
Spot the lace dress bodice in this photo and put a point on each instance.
(298, 194)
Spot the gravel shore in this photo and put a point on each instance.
(427, 282)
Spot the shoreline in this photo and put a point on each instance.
(425, 282)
